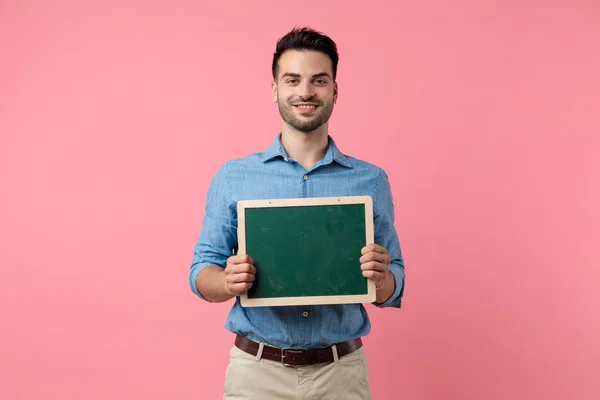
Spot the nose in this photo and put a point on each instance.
(306, 90)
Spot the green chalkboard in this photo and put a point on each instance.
(306, 251)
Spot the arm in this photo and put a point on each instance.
(215, 274)
(387, 289)
(218, 285)
(210, 283)
(391, 292)
(375, 264)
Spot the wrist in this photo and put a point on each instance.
(386, 288)
(223, 279)
(380, 285)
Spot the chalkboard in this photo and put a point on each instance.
(306, 251)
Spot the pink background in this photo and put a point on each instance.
(114, 115)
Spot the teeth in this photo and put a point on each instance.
(305, 106)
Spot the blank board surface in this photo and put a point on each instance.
(306, 251)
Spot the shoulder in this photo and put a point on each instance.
(366, 167)
(376, 178)
(232, 166)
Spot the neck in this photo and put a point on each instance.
(305, 148)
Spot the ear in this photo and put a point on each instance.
(274, 91)
(335, 92)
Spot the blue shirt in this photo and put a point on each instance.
(272, 174)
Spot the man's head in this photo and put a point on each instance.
(304, 72)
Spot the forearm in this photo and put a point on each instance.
(211, 284)
(387, 289)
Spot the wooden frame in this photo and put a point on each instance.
(307, 300)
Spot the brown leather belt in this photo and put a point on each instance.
(296, 357)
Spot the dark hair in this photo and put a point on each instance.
(306, 39)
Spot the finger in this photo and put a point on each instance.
(248, 268)
(374, 275)
(373, 247)
(241, 268)
(238, 278)
(242, 259)
(372, 256)
(374, 266)
(240, 287)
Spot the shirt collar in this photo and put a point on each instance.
(333, 153)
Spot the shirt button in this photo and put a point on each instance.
(305, 177)
(285, 159)
(305, 314)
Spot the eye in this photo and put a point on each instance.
(320, 81)
(291, 81)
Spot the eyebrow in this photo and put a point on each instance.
(294, 75)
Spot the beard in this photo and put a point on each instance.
(306, 123)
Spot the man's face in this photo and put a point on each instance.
(304, 89)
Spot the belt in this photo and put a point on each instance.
(296, 357)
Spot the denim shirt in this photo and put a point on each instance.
(272, 174)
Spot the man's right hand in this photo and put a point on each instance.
(239, 274)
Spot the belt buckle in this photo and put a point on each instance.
(291, 350)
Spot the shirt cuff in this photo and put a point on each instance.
(395, 299)
(195, 270)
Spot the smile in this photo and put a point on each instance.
(306, 106)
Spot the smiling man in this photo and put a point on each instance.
(303, 161)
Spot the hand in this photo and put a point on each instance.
(239, 274)
(375, 263)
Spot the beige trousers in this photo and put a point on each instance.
(250, 378)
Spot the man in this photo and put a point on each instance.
(303, 161)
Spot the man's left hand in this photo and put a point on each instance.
(375, 263)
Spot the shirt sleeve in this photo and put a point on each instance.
(218, 236)
(386, 236)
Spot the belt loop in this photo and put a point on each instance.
(335, 353)
(261, 346)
